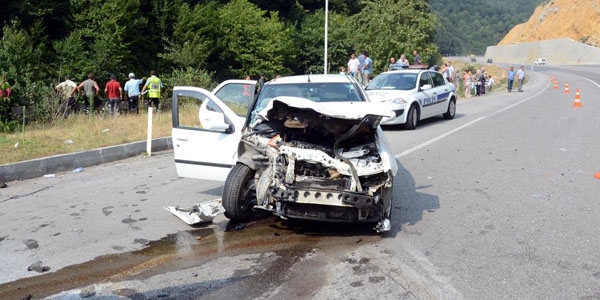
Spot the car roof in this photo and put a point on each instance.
(312, 78)
(411, 71)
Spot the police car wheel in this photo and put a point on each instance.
(412, 118)
(451, 110)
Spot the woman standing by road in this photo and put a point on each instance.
(467, 83)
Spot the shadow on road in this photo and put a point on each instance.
(409, 204)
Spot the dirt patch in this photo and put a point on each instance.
(575, 19)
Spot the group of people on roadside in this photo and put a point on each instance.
(360, 67)
(520, 76)
(477, 84)
(403, 62)
(89, 90)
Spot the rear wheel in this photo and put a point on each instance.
(239, 194)
(412, 118)
(451, 110)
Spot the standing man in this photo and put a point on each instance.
(67, 88)
(153, 85)
(521, 77)
(403, 61)
(132, 88)
(511, 79)
(417, 60)
(367, 69)
(353, 66)
(90, 91)
(115, 93)
(261, 81)
(450, 72)
(361, 65)
(393, 64)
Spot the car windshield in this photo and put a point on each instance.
(393, 81)
(317, 91)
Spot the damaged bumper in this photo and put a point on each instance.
(321, 168)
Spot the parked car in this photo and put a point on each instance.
(414, 95)
(308, 147)
(540, 61)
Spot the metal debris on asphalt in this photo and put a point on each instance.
(198, 213)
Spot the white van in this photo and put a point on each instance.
(540, 61)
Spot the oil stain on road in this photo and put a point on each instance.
(195, 247)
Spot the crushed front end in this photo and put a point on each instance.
(310, 164)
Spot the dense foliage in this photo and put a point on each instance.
(206, 41)
(469, 26)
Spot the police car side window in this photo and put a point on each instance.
(424, 79)
(438, 79)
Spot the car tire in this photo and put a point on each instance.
(449, 114)
(412, 118)
(239, 193)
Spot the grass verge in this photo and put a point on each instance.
(80, 133)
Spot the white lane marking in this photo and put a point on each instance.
(598, 85)
(435, 139)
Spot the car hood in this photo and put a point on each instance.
(326, 110)
(383, 95)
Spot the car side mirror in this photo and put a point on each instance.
(425, 87)
(213, 120)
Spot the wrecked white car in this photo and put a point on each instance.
(309, 147)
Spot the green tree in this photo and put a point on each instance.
(99, 38)
(252, 43)
(469, 26)
(391, 27)
(21, 60)
(193, 39)
(310, 39)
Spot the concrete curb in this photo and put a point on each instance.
(66, 162)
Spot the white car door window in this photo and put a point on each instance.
(237, 95)
(206, 130)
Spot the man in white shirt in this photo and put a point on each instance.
(521, 77)
(353, 66)
(67, 88)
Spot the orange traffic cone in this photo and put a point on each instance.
(577, 102)
(551, 78)
(597, 175)
(566, 87)
(556, 84)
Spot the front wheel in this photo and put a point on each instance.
(449, 114)
(412, 118)
(239, 193)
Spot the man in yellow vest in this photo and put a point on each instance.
(153, 85)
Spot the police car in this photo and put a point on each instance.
(414, 94)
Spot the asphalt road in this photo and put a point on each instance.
(499, 203)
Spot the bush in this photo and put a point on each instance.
(180, 77)
(9, 126)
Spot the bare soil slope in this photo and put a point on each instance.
(575, 19)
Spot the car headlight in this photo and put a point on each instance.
(395, 101)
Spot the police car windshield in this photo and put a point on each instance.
(393, 81)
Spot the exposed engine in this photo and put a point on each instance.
(331, 166)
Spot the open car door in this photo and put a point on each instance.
(207, 127)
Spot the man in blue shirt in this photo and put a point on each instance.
(367, 69)
(511, 79)
(361, 60)
(132, 89)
